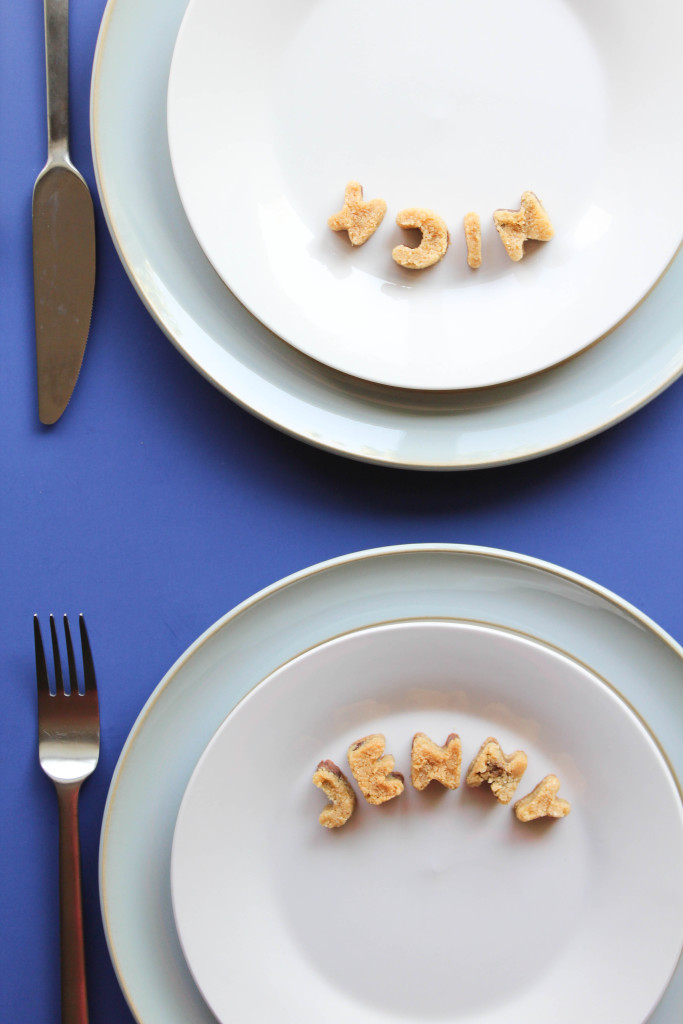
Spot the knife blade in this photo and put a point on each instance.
(64, 283)
(63, 238)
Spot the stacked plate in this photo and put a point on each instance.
(220, 889)
(224, 136)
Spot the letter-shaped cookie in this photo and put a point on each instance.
(434, 242)
(472, 227)
(515, 226)
(428, 761)
(543, 801)
(501, 772)
(374, 773)
(359, 218)
(337, 788)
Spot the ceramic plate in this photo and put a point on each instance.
(273, 107)
(438, 905)
(438, 430)
(485, 586)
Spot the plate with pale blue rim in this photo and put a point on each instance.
(488, 587)
(435, 430)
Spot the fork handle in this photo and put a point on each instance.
(74, 990)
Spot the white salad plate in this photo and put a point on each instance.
(499, 590)
(273, 107)
(438, 905)
(215, 333)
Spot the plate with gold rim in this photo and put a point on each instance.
(499, 589)
(455, 107)
(436, 905)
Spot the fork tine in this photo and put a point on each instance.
(73, 677)
(89, 681)
(41, 665)
(59, 682)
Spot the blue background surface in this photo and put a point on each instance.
(155, 505)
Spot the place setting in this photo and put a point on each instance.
(221, 156)
(220, 886)
(425, 781)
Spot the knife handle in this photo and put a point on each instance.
(57, 73)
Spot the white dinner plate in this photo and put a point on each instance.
(485, 586)
(453, 106)
(438, 430)
(438, 905)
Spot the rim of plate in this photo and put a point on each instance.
(459, 620)
(311, 437)
(368, 555)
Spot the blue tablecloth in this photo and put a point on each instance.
(156, 504)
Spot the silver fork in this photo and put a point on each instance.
(68, 749)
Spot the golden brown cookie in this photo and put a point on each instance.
(337, 788)
(515, 226)
(473, 239)
(543, 802)
(373, 772)
(359, 218)
(434, 242)
(501, 772)
(428, 761)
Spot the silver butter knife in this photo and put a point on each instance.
(63, 237)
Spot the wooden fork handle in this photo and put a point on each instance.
(74, 989)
